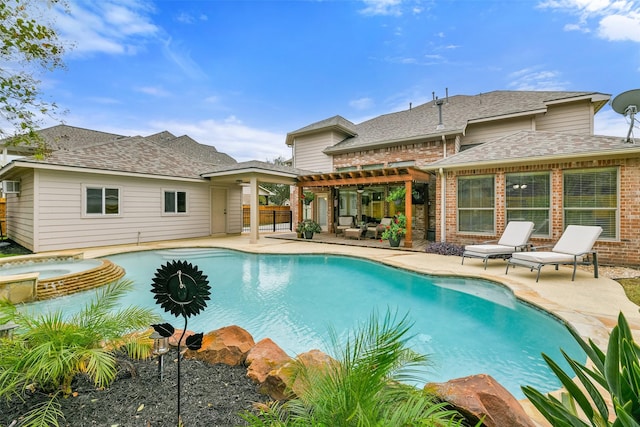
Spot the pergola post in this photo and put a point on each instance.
(254, 208)
(408, 239)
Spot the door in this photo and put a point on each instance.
(218, 210)
(322, 210)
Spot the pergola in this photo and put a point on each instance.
(382, 176)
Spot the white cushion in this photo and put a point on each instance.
(543, 257)
(516, 233)
(577, 239)
(345, 221)
(483, 250)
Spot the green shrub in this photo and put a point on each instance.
(47, 351)
(365, 387)
(617, 373)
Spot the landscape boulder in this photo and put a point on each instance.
(263, 358)
(479, 397)
(281, 383)
(228, 345)
(173, 339)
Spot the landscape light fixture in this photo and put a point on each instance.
(160, 348)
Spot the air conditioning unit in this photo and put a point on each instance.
(11, 187)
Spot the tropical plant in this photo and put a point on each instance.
(617, 373)
(397, 229)
(307, 197)
(47, 351)
(397, 194)
(308, 226)
(366, 386)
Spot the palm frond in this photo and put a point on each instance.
(45, 414)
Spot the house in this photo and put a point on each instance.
(96, 188)
(478, 162)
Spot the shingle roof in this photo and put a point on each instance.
(129, 155)
(533, 146)
(186, 145)
(256, 164)
(335, 122)
(65, 137)
(457, 112)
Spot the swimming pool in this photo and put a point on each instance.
(466, 326)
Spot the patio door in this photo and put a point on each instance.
(322, 210)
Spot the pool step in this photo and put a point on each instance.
(105, 273)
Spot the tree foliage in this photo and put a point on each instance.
(281, 192)
(28, 45)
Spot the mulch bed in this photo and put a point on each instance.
(211, 395)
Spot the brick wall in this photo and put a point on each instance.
(624, 251)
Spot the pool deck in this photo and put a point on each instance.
(591, 306)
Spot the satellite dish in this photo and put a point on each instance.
(627, 103)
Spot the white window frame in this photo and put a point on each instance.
(175, 192)
(493, 209)
(616, 210)
(103, 213)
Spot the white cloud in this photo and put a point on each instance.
(620, 28)
(608, 122)
(153, 91)
(230, 136)
(382, 7)
(533, 79)
(362, 103)
(617, 20)
(181, 56)
(107, 26)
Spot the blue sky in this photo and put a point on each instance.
(240, 74)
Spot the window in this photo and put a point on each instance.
(591, 198)
(476, 204)
(175, 202)
(528, 198)
(102, 201)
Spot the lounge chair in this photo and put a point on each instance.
(382, 226)
(575, 243)
(514, 238)
(344, 222)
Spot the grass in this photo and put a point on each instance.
(631, 288)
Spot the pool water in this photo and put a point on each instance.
(50, 269)
(466, 326)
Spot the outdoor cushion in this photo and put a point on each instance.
(544, 257)
(489, 249)
(514, 238)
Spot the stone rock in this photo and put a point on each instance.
(228, 345)
(281, 383)
(479, 396)
(173, 339)
(263, 358)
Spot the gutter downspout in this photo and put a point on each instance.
(443, 207)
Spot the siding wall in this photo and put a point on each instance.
(484, 132)
(623, 251)
(576, 118)
(20, 211)
(307, 151)
(61, 224)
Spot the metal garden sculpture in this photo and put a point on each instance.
(181, 289)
